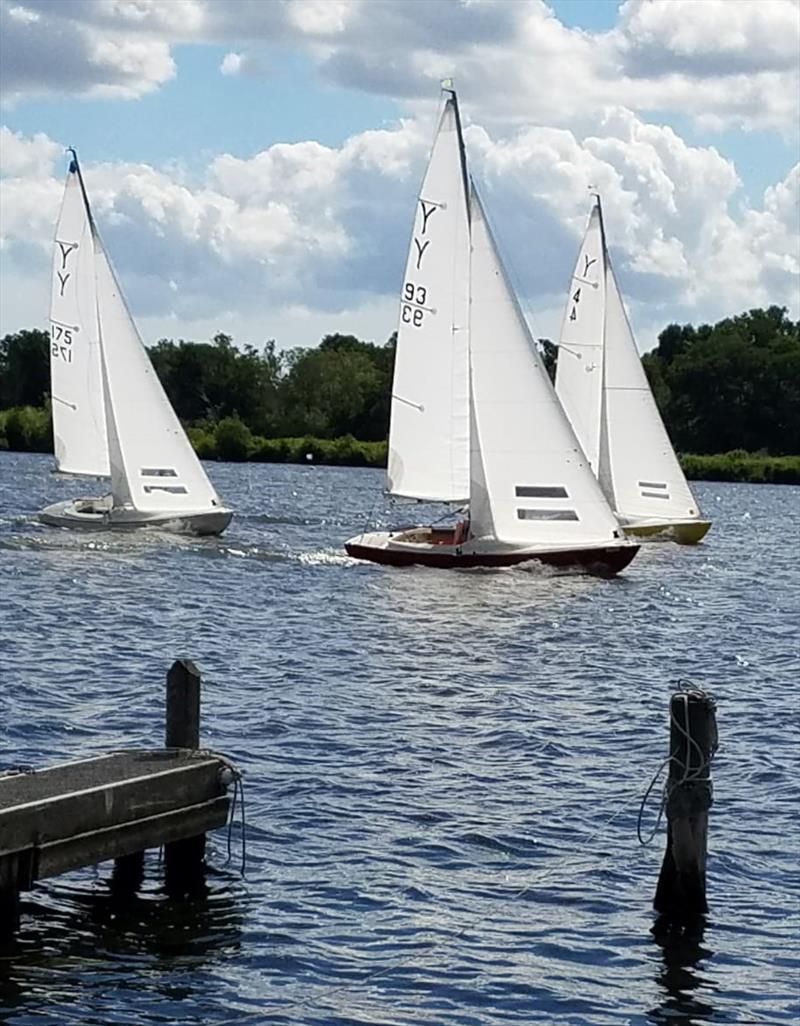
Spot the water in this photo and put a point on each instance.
(443, 769)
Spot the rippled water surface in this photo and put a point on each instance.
(443, 768)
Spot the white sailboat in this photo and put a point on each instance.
(111, 416)
(605, 393)
(474, 415)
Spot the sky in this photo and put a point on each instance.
(253, 165)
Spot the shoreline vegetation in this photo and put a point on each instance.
(729, 394)
(28, 429)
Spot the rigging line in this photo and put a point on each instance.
(661, 807)
(511, 271)
(371, 514)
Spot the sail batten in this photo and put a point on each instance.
(429, 427)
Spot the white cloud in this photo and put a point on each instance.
(300, 233)
(720, 62)
(231, 64)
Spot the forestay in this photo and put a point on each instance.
(531, 482)
(429, 432)
(153, 466)
(79, 427)
(579, 370)
(642, 466)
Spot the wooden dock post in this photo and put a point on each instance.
(681, 891)
(184, 860)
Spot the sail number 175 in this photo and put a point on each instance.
(61, 342)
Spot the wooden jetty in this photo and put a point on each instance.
(115, 806)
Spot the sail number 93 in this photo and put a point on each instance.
(416, 295)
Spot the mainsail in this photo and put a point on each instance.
(429, 433)
(531, 483)
(79, 427)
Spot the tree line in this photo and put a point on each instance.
(731, 385)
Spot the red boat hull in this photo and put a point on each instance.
(599, 561)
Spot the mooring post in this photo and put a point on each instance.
(184, 861)
(183, 705)
(681, 891)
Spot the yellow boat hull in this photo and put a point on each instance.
(689, 532)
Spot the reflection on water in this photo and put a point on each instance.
(681, 976)
(81, 931)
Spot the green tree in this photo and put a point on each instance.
(24, 368)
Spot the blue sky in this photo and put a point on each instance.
(289, 180)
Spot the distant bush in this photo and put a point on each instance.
(233, 439)
(203, 441)
(344, 451)
(26, 429)
(738, 465)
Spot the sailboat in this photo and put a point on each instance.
(474, 418)
(111, 417)
(605, 393)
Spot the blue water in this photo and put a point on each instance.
(443, 769)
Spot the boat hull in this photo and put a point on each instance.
(384, 548)
(684, 532)
(98, 515)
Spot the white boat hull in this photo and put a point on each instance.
(98, 514)
(431, 547)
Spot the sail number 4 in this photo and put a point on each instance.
(416, 295)
(61, 342)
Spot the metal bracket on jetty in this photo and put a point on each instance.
(116, 806)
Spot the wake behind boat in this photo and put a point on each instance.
(474, 415)
(605, 393)
(111, 417)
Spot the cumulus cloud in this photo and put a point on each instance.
(721, 63)
(242, 64)
(309, 228)
(44, 51)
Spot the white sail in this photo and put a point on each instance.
(579, 370)
(638, 462)
(153, 466)
(79, 427)
(429, 433)
(531, 483)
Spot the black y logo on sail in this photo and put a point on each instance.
(66, 248)
(427, 210)
(63, 279)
